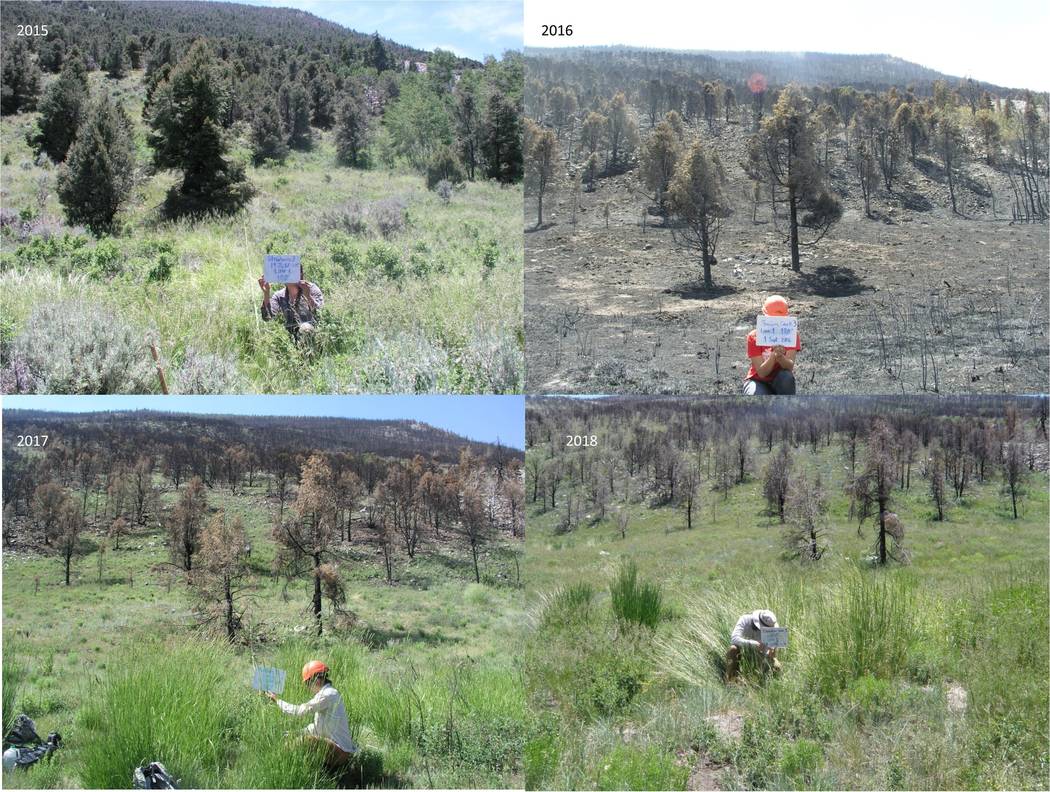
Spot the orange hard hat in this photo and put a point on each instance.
(312, 669)
(775, 305)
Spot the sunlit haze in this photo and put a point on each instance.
(997, 42)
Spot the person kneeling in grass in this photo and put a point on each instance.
(298, 303)
(747, 638)
(772, 368)
(330, 728)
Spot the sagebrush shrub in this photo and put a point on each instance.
(444, 191)
(74, 346)
(202, 373)
(351, 218)
(389, 216)
(494, 361)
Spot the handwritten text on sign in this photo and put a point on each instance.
(777, 331)
(281, 269)
(775, 637)
(268, 679)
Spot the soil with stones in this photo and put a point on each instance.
(913, 299)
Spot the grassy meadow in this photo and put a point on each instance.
(115, 663)
(420, 295)
(927, 675)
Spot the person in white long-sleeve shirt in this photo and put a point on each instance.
(330, 725)
(747, 637)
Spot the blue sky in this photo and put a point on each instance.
(485, 418)
(471, 28)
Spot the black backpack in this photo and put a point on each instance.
(153, 776)
(31, 748)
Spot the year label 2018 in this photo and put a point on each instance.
(581, 441)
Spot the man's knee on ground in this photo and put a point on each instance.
(784, 383)
(756, 388)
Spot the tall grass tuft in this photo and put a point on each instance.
(171, 703)
(568, 605)
(865, 627)
(13, 675)
(634, 601)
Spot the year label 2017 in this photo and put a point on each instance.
(32, 441)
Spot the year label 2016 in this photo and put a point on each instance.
(557, 30)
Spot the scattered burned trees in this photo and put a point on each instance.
(458, 506)
(1015, 471)
(660, 156)
(541, 157)
(70, 524)
(660, 457)
(776, 480)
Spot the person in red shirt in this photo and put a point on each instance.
(772, 368)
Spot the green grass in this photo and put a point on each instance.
(452, 322)
(875, 656)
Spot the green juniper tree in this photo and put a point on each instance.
(187, 135)
(352, 130)
(62, 110)
(294, 105)
(268, 135)
(99, 171)
(501, 141)
(116, 67)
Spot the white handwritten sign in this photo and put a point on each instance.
(777, 331)
(282, 269)
(268, 679)
(775, 637)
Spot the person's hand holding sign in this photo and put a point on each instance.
(305, 291)
(264, 285)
